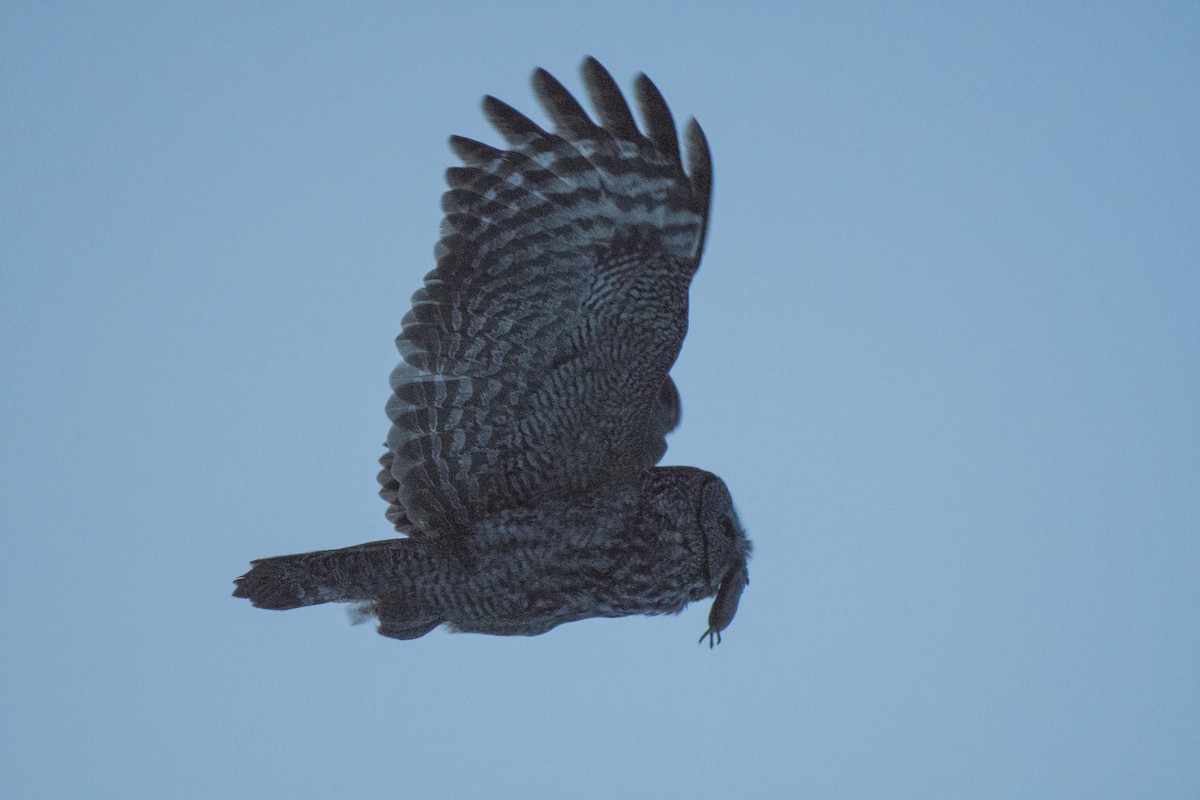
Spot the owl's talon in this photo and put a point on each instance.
(714, 638)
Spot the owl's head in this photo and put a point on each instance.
(695, 505)
(726, 550)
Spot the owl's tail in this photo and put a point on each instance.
(309, 579)
(376, 575)
(280, 583)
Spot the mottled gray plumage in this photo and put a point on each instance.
(645, 548)
(533, 397)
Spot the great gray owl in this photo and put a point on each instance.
(533, 398)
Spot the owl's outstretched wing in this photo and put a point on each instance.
(535, 357)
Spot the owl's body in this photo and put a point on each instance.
(638, 549)
(533, 398)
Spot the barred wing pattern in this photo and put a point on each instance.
(536, 356)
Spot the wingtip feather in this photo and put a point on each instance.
(514, 126)
(657, 118)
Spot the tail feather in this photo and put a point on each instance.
(365, 573)
(279, 583)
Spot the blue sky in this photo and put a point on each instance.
(944, 349)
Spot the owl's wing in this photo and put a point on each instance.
(535, 357)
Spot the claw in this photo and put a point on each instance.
(714, 638)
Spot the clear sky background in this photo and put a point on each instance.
(945, 351)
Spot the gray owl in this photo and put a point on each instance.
(533, 398)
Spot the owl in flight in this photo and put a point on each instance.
(533, 398)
